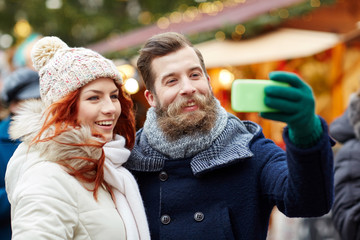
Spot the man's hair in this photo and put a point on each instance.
(158, 46)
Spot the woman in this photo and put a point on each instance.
(66, 180)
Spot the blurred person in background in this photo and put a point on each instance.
(21, 56)
(20, 85)
(346, 210)
(4, 71)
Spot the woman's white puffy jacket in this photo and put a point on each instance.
(47, 202)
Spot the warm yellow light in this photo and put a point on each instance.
(315, 3)
(219, 5)
(175, 17)
(163, 22)
(22, 28)
(126, 70)
(283, 13)
(131, 86)
(193, 9)
(220, 36)
(183, 7)
(188, 16)
(145, 18)
(205, 7)
(226, 78)
(240, 29)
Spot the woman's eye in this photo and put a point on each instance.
(114, 96)
(93, 98)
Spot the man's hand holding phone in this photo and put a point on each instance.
(294, 105)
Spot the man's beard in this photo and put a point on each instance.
(175, 123)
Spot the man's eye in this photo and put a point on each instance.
(195, 74)
(171, 81)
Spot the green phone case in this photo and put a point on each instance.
(247, 95)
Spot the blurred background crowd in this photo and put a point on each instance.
(239, 39)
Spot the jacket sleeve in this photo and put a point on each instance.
(300, 182)
(44, 205)
(346, 210)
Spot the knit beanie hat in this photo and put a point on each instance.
(63, 69)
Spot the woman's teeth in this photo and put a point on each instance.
(104, 123)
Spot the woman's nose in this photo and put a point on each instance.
(108, 106)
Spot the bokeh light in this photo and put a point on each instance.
(131, 85)
(22, 28)
(226, 78)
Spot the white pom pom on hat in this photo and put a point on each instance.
(44, 50)
(63, 69)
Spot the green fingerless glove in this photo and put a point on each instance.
(296, 107)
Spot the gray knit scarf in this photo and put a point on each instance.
(187, 145)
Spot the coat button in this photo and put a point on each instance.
(163, 176)
(199, 216)
(165, 219)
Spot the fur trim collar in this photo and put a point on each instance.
(27, 124)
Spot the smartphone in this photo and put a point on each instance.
(247, 95)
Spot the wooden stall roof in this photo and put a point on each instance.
(204, 22)
(281, 44)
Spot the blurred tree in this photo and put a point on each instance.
(80, 22)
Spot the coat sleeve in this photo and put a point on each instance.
(300, 182)
(44, 205)
(346, 210)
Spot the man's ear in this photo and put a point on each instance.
(150, 98)
(208, 78)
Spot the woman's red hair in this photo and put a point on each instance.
(63, 115)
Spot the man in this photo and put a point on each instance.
(205, 174)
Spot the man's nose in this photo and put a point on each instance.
(187, 87)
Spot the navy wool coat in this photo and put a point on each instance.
(229, 190)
